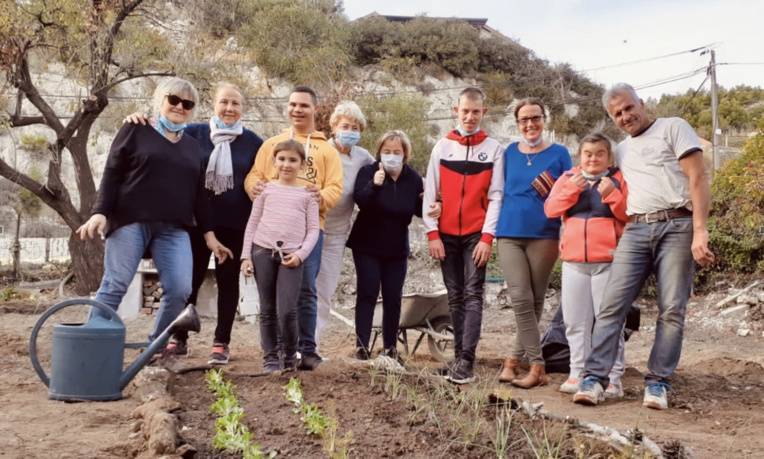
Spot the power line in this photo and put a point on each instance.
(649, 59)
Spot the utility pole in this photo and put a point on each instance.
(714, 112)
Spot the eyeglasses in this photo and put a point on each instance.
(175, 100)
(535, 119)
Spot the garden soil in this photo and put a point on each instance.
(715, 412)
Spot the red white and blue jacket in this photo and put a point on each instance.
(592, 225)
(469, 174)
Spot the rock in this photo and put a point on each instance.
(743, 332)
(747, 298)
(740, 309)
(760, 296)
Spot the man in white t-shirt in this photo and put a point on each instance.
(668, 203)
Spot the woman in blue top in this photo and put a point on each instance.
(527, 240)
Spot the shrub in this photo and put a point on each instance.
(737, 212)
(303, 42)
(405, 112)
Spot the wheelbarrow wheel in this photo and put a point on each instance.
(442, 349)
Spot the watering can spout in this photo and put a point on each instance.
(188, 320)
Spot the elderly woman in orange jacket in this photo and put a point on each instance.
(591, 199)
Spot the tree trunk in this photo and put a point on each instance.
(87, 263)
(16, 249)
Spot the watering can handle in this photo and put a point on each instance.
(33, 339)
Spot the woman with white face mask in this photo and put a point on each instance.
(347, 122)
(388, 194)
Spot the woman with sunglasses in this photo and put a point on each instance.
(151, 193)
(527, 240)
(228, 151)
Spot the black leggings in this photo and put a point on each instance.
(371, 271)
(226, 275)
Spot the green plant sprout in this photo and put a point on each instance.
(230, 433)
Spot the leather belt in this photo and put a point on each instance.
(660, 216)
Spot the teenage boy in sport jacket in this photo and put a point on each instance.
(466, 175)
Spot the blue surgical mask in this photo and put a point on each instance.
(348, 138)
(534, 143)
(167, 125)
(391, 163)
(221, 125)
(465, 133)
(594, 178)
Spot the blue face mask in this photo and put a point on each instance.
(594, 178)
(348, 138)
(391, 163)
(221, 125)
(534, 143)
(167, 125)
(465, 133)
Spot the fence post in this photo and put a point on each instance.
(47, 249)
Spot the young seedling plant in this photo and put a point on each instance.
(230, 433)
(316, 423)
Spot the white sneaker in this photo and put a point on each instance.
(614, 391)
(655, 396)
(591, 392)
(571, 386)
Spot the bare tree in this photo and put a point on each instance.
(101, 43)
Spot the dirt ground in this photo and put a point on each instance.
(716, 411)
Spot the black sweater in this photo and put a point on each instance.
(382, 226)
(150, 179)
(231, 208)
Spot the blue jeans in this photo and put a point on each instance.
(464, 283)
(171, 250)
(662, 248)
(307, 303)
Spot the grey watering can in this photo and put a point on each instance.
(86, 360)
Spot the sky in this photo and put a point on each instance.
(594, 34)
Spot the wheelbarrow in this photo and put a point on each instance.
(426, 313)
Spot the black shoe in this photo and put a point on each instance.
(309, 361)
(461, 373)
(444, 371)
(288, 367)
(362, 354)
(271, 367)
(393, 354)
(176, 348)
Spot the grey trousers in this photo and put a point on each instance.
(279, 288)
(527, 264)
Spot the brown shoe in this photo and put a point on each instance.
(536, 377)
(509, 370)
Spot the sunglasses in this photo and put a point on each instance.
(175, 100)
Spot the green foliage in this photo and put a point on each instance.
(230, 433)
(447, 43)
(7, 294)
(736, 225)
(407, 113)
(740, 108)
(317, 423)
(304, 41)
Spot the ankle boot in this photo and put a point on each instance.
(536, 377)
(509, 370)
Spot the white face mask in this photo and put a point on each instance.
(391, 163)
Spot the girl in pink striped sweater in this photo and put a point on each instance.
(282, 230)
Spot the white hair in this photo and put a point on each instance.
(617, 89)
(178, 87)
